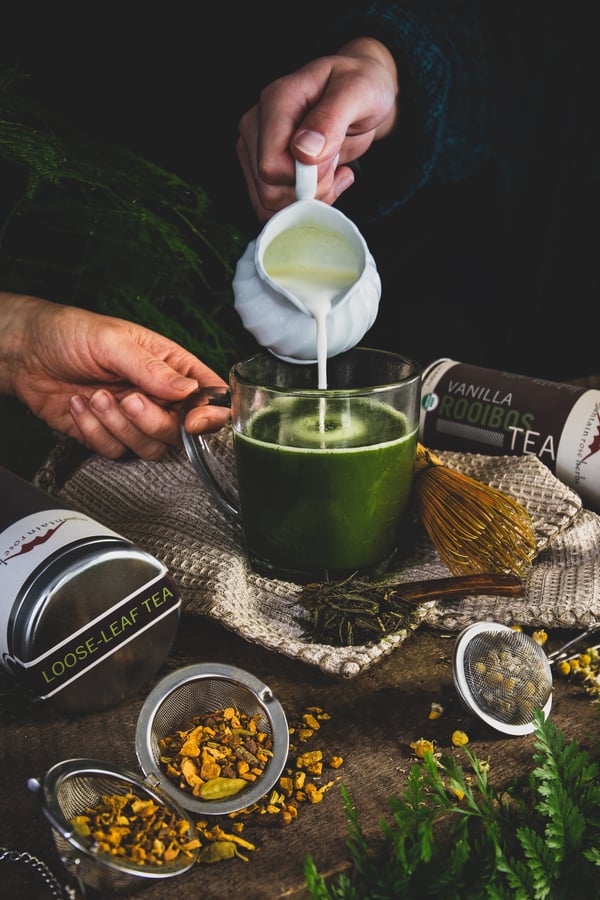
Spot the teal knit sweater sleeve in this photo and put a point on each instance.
(445, 125)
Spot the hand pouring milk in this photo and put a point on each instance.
(308, 286)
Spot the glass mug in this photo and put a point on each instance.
(323, 476)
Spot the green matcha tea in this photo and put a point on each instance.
(324, 485)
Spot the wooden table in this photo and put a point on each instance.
(374, 718)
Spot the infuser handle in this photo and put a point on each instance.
(35, 786)
(562, 653)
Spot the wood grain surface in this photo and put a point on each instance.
(374, 718)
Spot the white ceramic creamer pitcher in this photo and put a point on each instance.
(308, 276)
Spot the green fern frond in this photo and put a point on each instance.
(450, 880)
(593, 856)
(543, 865)
(532, 841)
(100, 227)
(517, 877)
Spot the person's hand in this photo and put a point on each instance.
(111, 384)
(327, 113)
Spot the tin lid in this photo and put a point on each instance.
(93, 624)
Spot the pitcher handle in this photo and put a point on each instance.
(306, 181)
(200, 453)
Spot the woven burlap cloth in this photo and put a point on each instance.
(165, 508)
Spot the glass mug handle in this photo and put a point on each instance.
(200, 453)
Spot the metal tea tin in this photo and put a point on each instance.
(86, 617)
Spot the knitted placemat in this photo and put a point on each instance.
(165, 508)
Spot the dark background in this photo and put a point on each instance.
(461, 277)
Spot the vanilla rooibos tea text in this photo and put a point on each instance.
(479, 410)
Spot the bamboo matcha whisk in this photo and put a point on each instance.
(474, 527)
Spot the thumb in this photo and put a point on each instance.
(320, 134)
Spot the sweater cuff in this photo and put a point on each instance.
(415, 150)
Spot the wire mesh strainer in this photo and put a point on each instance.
(74, 784)
(198, 689)
(504, 676)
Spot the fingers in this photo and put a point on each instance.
(136, 424)
(143, 367)
(325, 114)
(165, 423)
(269, 195)
(106, 429)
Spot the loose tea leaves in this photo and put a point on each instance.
(358, 611)
(305, 779)
(140, 831)
(216, 755)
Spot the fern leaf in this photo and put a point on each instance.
(100, 227)
(543, 864)
(593, 856)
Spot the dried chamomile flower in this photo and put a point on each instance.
(421, 747)
(459, 738)
(585, 668)
(436, 710)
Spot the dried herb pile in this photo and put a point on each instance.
(125, 826)
(359, 611)
(139, 831)
(215, 755)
